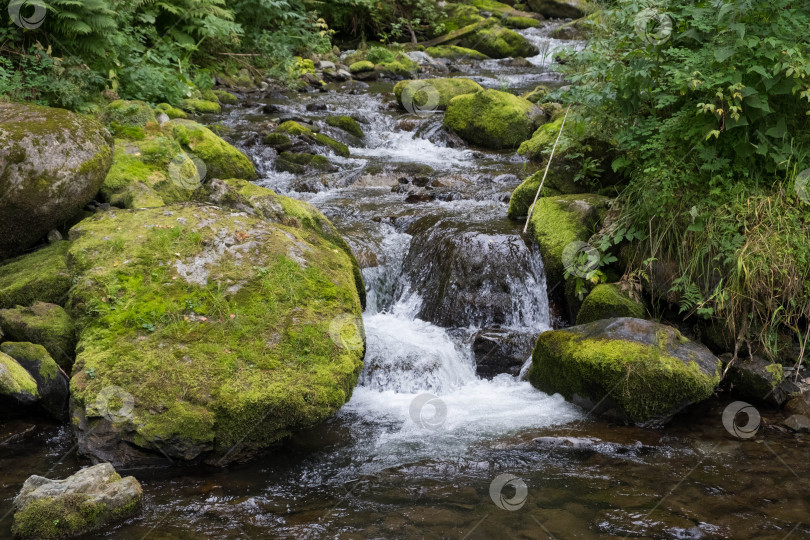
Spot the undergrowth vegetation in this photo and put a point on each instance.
(708, 103)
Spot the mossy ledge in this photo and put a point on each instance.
(217, 323)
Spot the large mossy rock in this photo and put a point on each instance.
(496, 41)
(213, 332)
(626, 369)
(52, 163)
(492, 119)
(79, 504)
(560, 222)
(440, 91)
(52, 384)
(46, 324)
(39, 276)
(558, 9)
(18, 389)
(607, 301)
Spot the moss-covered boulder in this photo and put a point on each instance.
(200, 106)
(39, 276)
(128, 118)
(432, 94)
(221, 159)
(171, 112)
(347, 124)
(520, 22)
(558, 223)
(303, 162)
(607, 301)
(46, 324)
(226, 97)
(492, 119)
(496, 41)
(82, 503)
(52, 163)
(537, 95)
(361, 67)
(626, 369)
(298, 162)
(52, 383)
(454, 52)
(220, 332)
(18, 389)
(558, 9)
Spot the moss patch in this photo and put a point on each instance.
(128, 117)
(218, 323)
(558, 221)
(420, 91)
(200, 106)
(606, 301)
(347, 124)
(38, 276)
(221, 159)
(498, 42)
(226, 97)
(15, 381)
(491, 119)
(454, 52)
(361, 66)
(171, 112)
(45, 324)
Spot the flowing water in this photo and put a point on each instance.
(415, 452)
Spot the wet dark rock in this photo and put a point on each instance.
(501, 350)
(415, 197)
(421, 181)
(272, 108)
(798, 423)
(506, 179)
(51, 382)
(480, 274)
(759, 381)
(317, 107)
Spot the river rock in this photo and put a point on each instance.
(46, 324)
(493, 119)
(52, 162)
(87, 501)
(557, 9)
(501, 350)
(208, 333)
(798, 423)
(607, 301)
(432, 94)
(480, 274)
(496, 41)
(38, 276)
(625, 369)
(758, 380)
(18, 389)
(52, 383)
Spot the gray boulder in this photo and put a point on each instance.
(52, 163)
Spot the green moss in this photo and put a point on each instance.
(33, 358)
(291, 127)
(38, 276)
(521, 22)
(15, 380)
(361, 66)
(209, 95)
(420, 91)
(537, 95)
(122, 115)
(279, 141)
(606, 301)
(221, 159)
(347, 124)
(171, 112)
(643, 381)
(200, 106)
(45, 324)
(401, 66)
(66, 516)
(250, 377)
(226, 97)
(297, 163)
(558, 221)
(454, 52)
(491, 119)
(460, 15)
(338, 147)
(498, 42)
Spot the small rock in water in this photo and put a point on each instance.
(798, 422)
(314, 107)
(84, 502)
